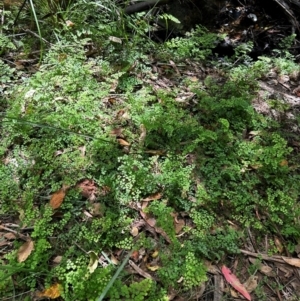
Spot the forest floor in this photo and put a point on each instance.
(146, 177)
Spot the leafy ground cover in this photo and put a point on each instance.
(139, 171)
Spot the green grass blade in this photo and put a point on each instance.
(113, 279)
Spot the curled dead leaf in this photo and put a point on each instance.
(153, 197)
(149, 220)
(278, 244)
(116, 132)
(57, 259)
(52, 292)
(123, 142)
(152, 268)
(134, 231)
(88, 188)
(25, 250)
(179, 225)
(251, 283)
(115, 39)
(69, 23)
(93, 264)
(284, 163)
(143, 134)
(114, 260)
(97, 209)
(135, 255)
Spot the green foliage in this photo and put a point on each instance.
(163, 217)
(78, 282)
(194, 271)
(181, 262)
(197, 44)
(137, 291)
(5, 45)
(213, 158)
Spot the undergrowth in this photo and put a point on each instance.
(212, 159)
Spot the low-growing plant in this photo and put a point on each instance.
(208, 161)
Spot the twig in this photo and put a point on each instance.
(139, 270)
(37, 36)
(22, 236)
(264, 257)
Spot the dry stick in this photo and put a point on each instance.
(289, 13)
(22, 236)
(264, 257)
(139, 270)
(218, 288)
(37, 36)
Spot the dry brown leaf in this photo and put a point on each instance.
(251, 284)
(292, 261)
(58, 152)
(105, 190)
(88, 188)
(284, 163)
(115, 39)
(93, 263)
(153, 197)
(112, 100)
(25, 250)
(163, 234)
(143, 134)
(5, 243)
(256, 166)
(179, 225)
(87, 214)
(144, 205)
(285, 268)
(114, 260)
(116, 132)
(97, 209)
(266, 270)
(57, 259)
(152, 268)
(213, 269)
(82, 150)
(69, 23)
(193, 79)
(57, 198)
(150, 220)
(10, 236)
(52, 292)
(278, 244)
(135, 255)
(123, 142)
(120, 113)
(134, 231)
